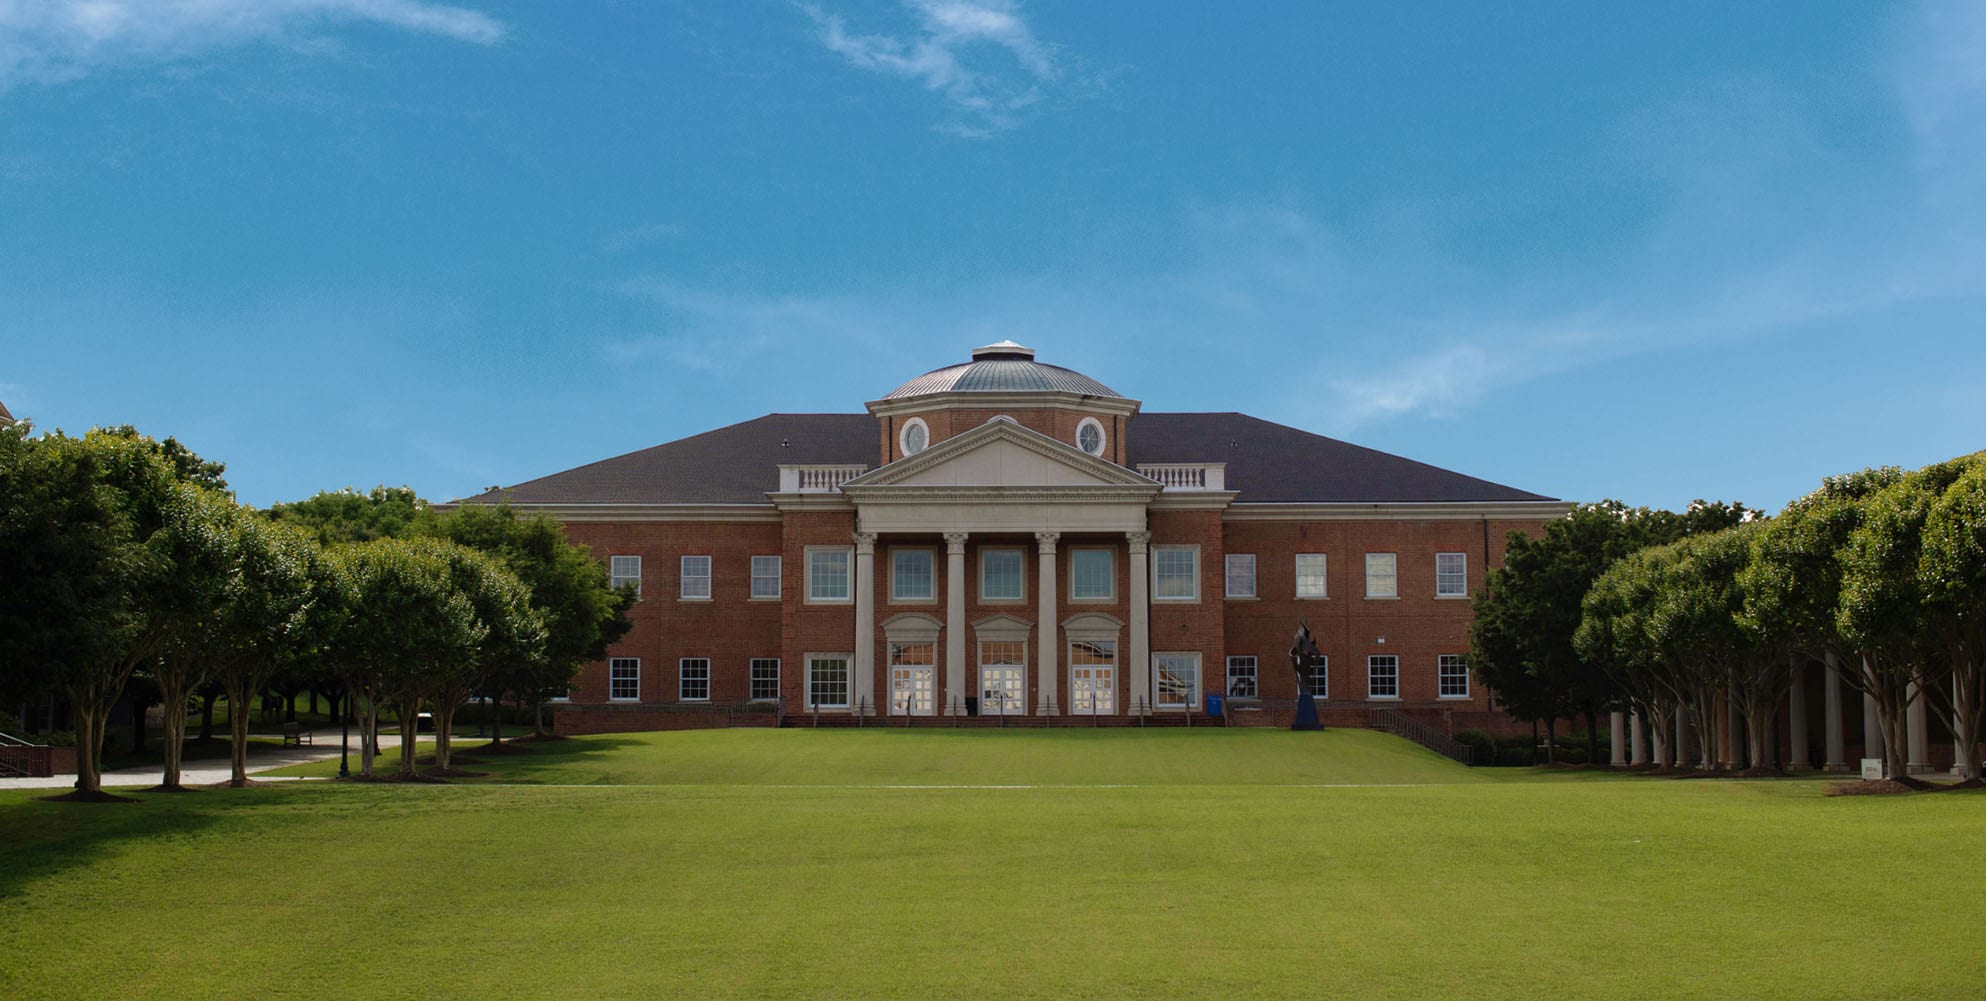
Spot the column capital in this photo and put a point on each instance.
(1046, 540)
(1139, 541)
(955, 543)
(865, 543)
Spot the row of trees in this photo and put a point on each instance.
(120, 554)
(1880, 575)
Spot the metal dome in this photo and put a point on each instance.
(1004, 367)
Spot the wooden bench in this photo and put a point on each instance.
(293, 734)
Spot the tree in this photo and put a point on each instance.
(284, 610)
(569, 588)
(513, 635)
(349, 516)
(198, 555)
(1952, 578)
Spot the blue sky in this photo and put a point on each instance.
(1653, 251)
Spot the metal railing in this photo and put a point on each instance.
(1399, 724)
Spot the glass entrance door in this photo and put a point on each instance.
(1002, 678)
(913, 679)
(1092, 678)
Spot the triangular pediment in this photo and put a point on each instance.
(1000, 453)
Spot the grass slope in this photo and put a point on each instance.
(1159, 864)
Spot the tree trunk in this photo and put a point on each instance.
(537, 716)
(368, 734)
(1551, 741)
(410, 711)
(89, 745)
(496, 720)
(173, 721)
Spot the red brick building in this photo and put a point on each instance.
(1007, 537)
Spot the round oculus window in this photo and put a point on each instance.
(915, 437)
(1089, 436)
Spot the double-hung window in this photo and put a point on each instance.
(827, 681)
(1177, 679)
(1175, 573)
(1453, 676)
(696, 578)
(1382, 575)
(1092, 575)
(694, 679)
(765, 679)
(910, 575)
(1320, 680)
(827, 575)
(1000, 575)
(1451, 575)
(1241, 575)
(1382, 677)
(1241, 678)
(624, 679)
(623, 571)
(765, 576)
(1310, 579)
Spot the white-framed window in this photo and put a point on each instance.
(915, 436)
(1175, 573)
(1320, 682)
(913, 679)
(693, 679)
(1176, 680)
(1090, 437)
(696, 578)
(1241, 680)
(1311, 581)
(623, 570)
(1382, 677)
(1241, 575)
(1092, 575)
(910, 575)
(1002, 678)
(765, 679)
(827, 573)
(624, 679)
(766, 572)
(827, 680)
(1451, 575)
(1382, 575)
(1092, 677)
(1452, 673)
(1000, 577)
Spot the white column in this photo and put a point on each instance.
(1837, 760)
(1659, 743)
(1637, 740)
(1796, 719)
(1872, 728)
(955, 662)
(1682, 735)
(1139, 664)
(864, 693)
(1048, 656)
(1619, 721)
(1920, 733)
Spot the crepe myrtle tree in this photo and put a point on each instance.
(569, 589)
(1755, 654)
(1952, 576)
(286, 607)
(1886, 611)
(198, 554)
(513, 634)
(1616, 632)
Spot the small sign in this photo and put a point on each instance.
(1872, 769)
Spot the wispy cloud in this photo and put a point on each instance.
(980, 56)
(636, 236)
(50, 41)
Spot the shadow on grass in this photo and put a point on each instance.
(41, 836)
(522, 760)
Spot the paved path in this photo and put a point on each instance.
(210, 771)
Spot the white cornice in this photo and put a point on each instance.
(1450, 511)
(1195, 500)
(1101, 493)
(1115, 405)
(810, 502)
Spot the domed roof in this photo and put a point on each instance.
(1004, 367)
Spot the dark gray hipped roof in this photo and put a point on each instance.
(1266, 463)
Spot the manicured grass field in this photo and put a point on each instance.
(936, 863)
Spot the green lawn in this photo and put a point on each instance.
(1053, 864)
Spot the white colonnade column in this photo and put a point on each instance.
(1139, 664)
(863, 696)
(1048, 656)
(1637, 740)
(955, 662)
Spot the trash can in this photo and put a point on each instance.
(1215, 704)
(972, 705)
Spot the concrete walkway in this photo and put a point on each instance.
(212, 771)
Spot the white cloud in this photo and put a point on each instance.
(980, 56)
(50, 41)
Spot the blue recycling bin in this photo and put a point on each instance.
(1215, 703)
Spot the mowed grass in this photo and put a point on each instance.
(936, 863)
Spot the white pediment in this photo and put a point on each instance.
(1000, 453)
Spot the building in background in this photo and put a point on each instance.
(1008, 538)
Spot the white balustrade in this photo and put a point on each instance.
(816, 479)
(1187, 476)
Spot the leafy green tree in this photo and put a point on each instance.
(569, 588)
(1952, 578)
(513, 635)
(349, 516)
(1616, 631)
(198, 555)
(286, 606)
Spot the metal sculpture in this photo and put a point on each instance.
(1306, 660)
